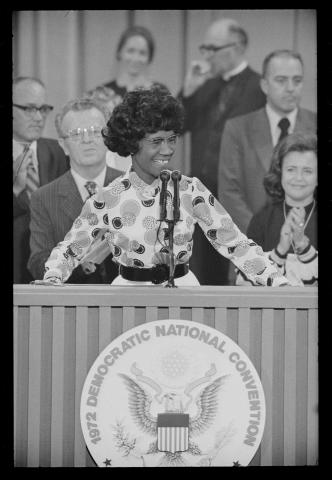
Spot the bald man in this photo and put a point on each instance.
(219, 87)
(36, 161)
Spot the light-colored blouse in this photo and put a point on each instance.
(127, 213)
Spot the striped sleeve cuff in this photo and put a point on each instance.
(55, 272)
(308, 255)
(276, 257)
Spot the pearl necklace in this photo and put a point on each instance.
(301, 225)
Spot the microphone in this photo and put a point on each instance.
(176, 177)
(164, 177)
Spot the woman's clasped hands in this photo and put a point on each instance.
(292, 231)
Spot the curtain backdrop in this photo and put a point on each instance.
(74, 50)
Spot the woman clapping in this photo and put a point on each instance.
(286, 228)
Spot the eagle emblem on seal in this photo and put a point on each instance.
(165, 415)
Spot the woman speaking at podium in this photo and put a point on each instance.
(135, 214)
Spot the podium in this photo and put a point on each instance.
(59, 332)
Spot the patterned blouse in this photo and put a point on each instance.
(127, 213)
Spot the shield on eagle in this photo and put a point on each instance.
(173, 432)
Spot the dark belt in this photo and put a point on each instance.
(157, 274)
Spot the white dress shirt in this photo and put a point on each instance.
(80, 182)
(274, 119)
(243, 65)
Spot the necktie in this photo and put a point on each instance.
(32, 179)
(284, 125)
(225, 96)
(91, 187)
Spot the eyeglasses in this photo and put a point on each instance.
(76, 135)
(158, 141)
(214, 48)
(31, 110)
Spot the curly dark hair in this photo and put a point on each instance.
(142, 111)
(295, 142)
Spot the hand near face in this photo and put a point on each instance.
(197, 74)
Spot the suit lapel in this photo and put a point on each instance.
(301, 122)
(70, 197)
(261, 135)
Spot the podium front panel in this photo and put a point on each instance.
(59, 332)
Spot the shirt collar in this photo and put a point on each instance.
(81, 181)
(148, 191)
(274, 119)
(243, 65)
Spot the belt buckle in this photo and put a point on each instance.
(159, 273)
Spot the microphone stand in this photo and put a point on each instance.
(176, 176)
(170, 283)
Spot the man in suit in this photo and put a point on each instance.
(55, 206)
(36, 161)
(223, 86)
(247, 142)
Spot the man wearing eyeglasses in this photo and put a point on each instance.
(219, 87)
(36, 161)
(54, 207)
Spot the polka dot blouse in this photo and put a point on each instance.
(127, 213)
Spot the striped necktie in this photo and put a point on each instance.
(32, 179)
(91, 187)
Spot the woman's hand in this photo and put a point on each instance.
(48, 281)
(285, 237)
(88, 267)
(292, 229)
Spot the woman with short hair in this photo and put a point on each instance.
(128, 211)
(134, 54)
(286, 227)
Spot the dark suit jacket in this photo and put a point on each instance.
(245, 157)
(52, 162)
(205, 119)
(54, 208)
